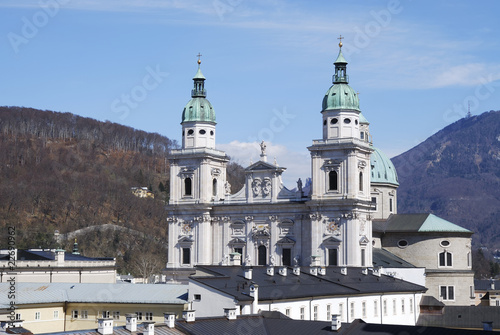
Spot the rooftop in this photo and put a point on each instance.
(32, 293)
(230, 280)
(421, 223)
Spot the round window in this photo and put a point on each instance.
(202, 131)
(347, 121)
(445, 243)
(190, 132)
(324, 122)
(212, 132)
(334, 121)
(402, 243)
(356, 122)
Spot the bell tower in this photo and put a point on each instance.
(340, 163)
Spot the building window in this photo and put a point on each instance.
(347, 121)
(402, 306)
(37, 315)
(362, 135)
(239, 250)
(334, 121)
(105, 314)
(186, 255)
(363, 257)
(149, 316)
(384, 306)
(315, 313)
(363, 309)
(18, 316)
(375, 308)
(302, 312)
(390, 205)
(471, 292)
(411, 306)
(333, 257)
(402, 244)
(361, 181)
(287, 312)
(445, 259)
(394, 311)
(262, 255)
(74, 314)
(287, 257)
(84, 314)
(341, 311)
(214, 187)
(116, 315)
(197, 297)
(374, 203)
(469, 260)
(202, 131)
(447, 292)
(188, 186)
(352, 317)
(333, 181)
(139, 316)
(56, 314)
(328, 312)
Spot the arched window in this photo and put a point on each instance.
(333, 181)
(262, 255)
(361, 181)
(445, 259)
(214, 187)
(187, 186)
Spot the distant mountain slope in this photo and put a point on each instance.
(455, 174)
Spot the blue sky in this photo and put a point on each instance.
(417, 65)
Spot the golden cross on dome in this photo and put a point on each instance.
(340, 38)
(199, 55)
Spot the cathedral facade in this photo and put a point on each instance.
(264, 223)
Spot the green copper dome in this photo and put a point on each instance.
(198, 109)
(383, 171)
(340, 95)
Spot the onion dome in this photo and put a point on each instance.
(198, 109)
(340, 95)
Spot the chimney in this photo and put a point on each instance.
(235, 258)
(282, 271)
(315, 260)
(188, 316)
(296, 270)
(343, 271)
(169, 319)
(254, 293)
(59, 256)
(364, 271)
(377, 271)
(105, 326)
(131, 322)
(313, 270)
(322, 271)
(336, 322)
(247, 272)
(492, 284)
(230, 313)
(149, 328)
(270, 270)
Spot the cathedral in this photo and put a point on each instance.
(339, 220)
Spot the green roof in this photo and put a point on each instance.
(340, 58)
(382, 169)
(341, 96)
(362, 119)
(422, 223)
(199, 75)
(198, 109)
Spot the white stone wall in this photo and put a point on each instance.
(212, 302)
(384, 195)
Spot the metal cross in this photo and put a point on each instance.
(199, 55)
(340, 38)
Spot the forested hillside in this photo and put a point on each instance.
(61, 172)
(456, 174)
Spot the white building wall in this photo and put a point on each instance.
(212, 302)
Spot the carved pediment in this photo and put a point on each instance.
(286, 240)
(332, 240)
(364, 240)
(260, 166)
(237, 241)
(186, 239)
